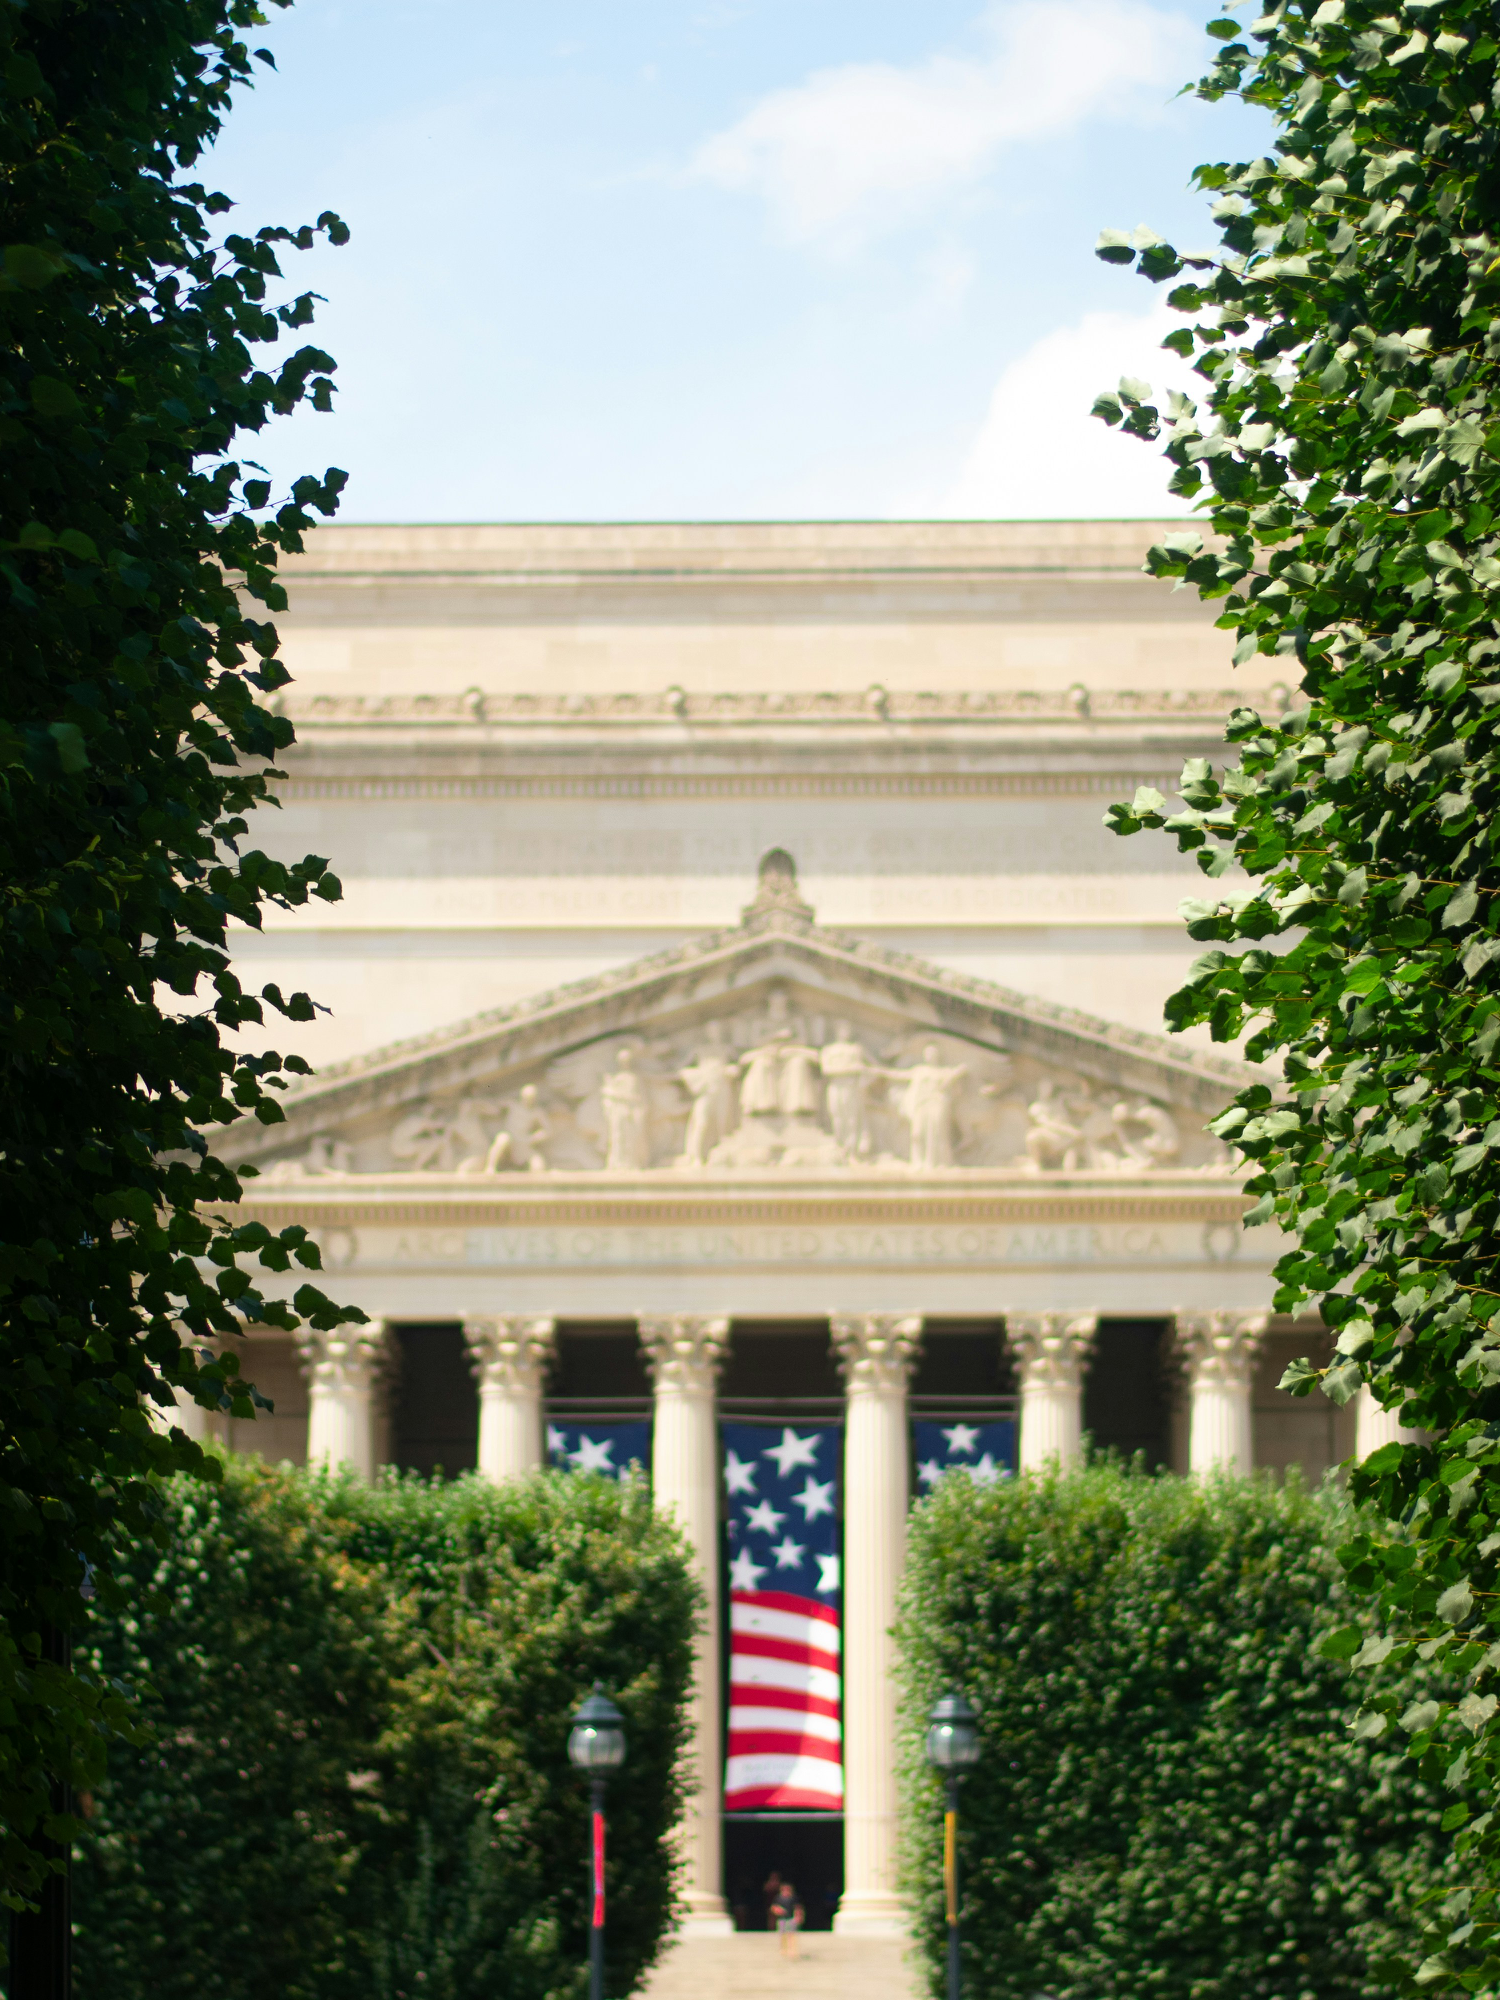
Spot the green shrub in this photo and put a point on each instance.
(358, 1782)
(1169, 1802)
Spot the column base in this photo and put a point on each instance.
(871, 1916)
(704, 1916)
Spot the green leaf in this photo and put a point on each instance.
(52, 397)
(1342, 1644)
(1456, 1603)
(72, 751)
(30, 266)
(1343, 1381)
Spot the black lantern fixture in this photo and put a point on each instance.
(952, 1747)
(596, 1745)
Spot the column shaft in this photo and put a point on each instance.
(1374, 1427)
(877, 1351)
(1051, 1352)
(509, 1356)
(341, 1368)
(1220, 1349)
(683, 1354)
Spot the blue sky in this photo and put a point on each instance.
(728, 259)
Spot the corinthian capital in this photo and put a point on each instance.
(1220, 1347)
(684, 1352)
(344, 1360)
(1051, 1349)
(877, 1351)
(509, 1353)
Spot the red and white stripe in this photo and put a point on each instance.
(785, 1738)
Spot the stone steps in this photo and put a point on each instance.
(749, 1966)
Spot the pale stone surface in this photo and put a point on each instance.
(684, 1354)
(1051, 1352)
(750, 1967)
(1220, 1350)
(510, 1355)
(536, 752)
(877, 1352)
(1374, 1427)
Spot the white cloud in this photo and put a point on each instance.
(1040, 455)
(856, 149)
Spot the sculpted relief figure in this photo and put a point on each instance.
(1148, 1135)
(419, 1142)
(927, 1105)
(709, 1081)
(849, 1078)
(326, 1154)
(781, 1079)
(521, 1141)
(627, 1117)
(1055, 1138)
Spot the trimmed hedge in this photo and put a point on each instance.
(358, 1779)
(1169, 1802)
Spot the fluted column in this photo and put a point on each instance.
(877, 1351)
(1051, 1351)
(684, 1354)
(1374, 1426)
(509, 1356)
(341, 1367)
(1220, 1349)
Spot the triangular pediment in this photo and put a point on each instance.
(776, 1046)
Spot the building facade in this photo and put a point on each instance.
(740, 1015)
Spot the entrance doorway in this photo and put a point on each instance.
(806, 1849)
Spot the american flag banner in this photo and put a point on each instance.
(987, 1452)
(610, 1449)
(785, 1750)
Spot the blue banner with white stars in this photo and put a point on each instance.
(781, 1489)
(608, 1449)
(987, 1452)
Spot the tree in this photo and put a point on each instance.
(1167, 1800)
(136, 559)
(1346, 449)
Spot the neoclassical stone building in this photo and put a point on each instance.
(740, 1012)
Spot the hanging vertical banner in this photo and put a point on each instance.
(610, 1449)
(987, 1452)
(785, 1749)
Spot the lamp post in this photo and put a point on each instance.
(952, 1747)
(596, 1744)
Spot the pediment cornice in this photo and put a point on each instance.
(777, 1043)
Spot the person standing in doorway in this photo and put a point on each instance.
(771, 1889)
(787, 1914)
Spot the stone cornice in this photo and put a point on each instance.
(419, 1201)
(308, 785)
(773, 943)
(482, 714)
(566, 554)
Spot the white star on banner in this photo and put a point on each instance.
(764, 1518)
(789, 1554)
(929, 1472)
(556, 1439)
(745, 1572)
(962, 1438)
(792, 1452)
(828, 1572)
(592, 1457)
(986, 1473)
(814, 1499)
(739, 1476)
